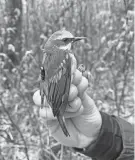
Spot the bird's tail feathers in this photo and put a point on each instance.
(62, 123)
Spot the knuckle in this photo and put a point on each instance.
(73, 92)
(77, 77)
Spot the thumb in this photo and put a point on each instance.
(88, 104)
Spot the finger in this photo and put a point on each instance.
(82, 86)
(73, 92)
(77, 77)
(88, 104)
(47, 113)
(37, 98)
(75, 105)
(72, 95)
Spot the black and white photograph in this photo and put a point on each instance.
(67, 79)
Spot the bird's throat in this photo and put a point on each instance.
(66, 47)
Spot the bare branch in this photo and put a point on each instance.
(17, 128)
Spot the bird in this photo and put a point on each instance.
(56, 73)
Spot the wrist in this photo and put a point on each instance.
(85, 141)
(108, 143)
(93, 133)
(93, 122)
(92, 115)
(88, 140)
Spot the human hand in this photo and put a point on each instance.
(83, 119)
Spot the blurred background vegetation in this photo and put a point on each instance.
(108, 55)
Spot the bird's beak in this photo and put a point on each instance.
(78, 38)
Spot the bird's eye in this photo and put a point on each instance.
(65, 40)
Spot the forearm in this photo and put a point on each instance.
(112, 141)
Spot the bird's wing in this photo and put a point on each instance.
(59, 79)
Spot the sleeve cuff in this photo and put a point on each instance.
(109, 142)
(127, 131)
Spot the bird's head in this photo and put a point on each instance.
(62, 39)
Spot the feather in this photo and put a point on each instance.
(58, 79)
(65, 82)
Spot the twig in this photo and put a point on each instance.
(61, 155)
(125, 74)
(52, 154)
(115, 91)
(63, 12)
(17, 128)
